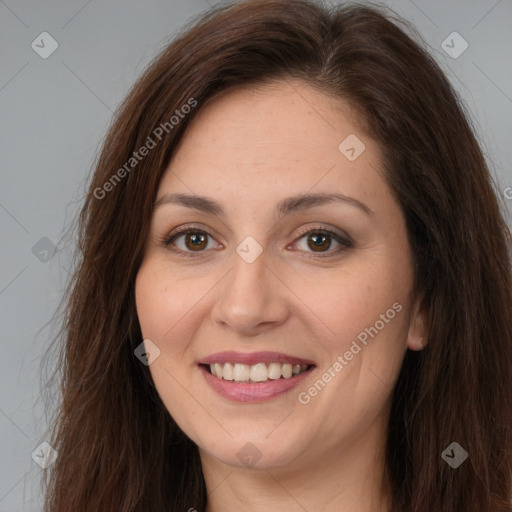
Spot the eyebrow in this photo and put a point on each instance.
(284, 207)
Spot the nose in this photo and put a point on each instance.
(251, 299)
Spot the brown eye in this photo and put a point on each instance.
(196, 241)
(190, 240)
(319, 242)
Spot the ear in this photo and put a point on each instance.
(417, 337)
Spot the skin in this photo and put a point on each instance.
(248, 149)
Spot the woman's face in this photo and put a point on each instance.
(297, 254)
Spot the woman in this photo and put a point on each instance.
(294, 282)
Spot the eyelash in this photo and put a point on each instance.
(344, 243)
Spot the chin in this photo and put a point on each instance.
(262, 453)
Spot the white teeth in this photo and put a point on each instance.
(241, 372)
(286, 371)
(225, 372)
(274, 371)
(257, 372)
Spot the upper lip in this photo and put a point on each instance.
(253, 358)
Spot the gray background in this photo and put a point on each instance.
(54, 114)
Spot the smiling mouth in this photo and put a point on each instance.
(260, 372)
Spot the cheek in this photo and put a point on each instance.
(158, 313)
(364, 312)
(162, 303)
(153, 306)
(357, 297)
(170, 309)
(162, 308)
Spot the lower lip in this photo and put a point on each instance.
(253, 392)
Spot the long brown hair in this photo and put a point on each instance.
(118, 447)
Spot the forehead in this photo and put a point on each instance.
(269, 139)
(276, 115)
